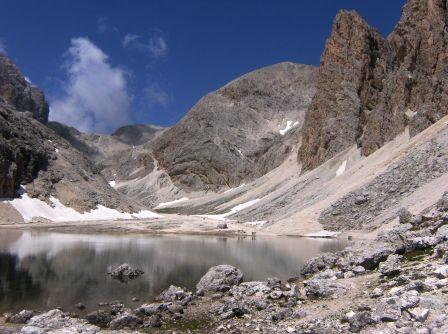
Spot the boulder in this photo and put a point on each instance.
(222, 226)
(219, 279)
(55, 321)
(391, 266)
(125, 321)
(318, 263)
(324, 288)
(20, 318)
(126, 271)
(405, 216)
(99, 318)
(172, 293)
(153, 321)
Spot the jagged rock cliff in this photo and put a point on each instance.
(21, 155)
(19, 93)
(232, 135)
(370, 88)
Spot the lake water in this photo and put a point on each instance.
(44, 270)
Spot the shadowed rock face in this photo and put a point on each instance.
(21, 152)
(232, 135)
(137, 134)
(370, 88)
(15, 90)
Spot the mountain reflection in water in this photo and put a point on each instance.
(44, 270)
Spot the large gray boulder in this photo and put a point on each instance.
(125, 271)
(391, 266)
(219, 279)
(56, 321)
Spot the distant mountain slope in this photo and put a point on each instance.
(239, 132)
(370, 88)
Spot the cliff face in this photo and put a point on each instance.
(233, 135)
(22, 150)
(370, 88)
(19, 93)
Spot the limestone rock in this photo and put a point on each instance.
(19, 93)
(219, 279)
(370, 88)
(233, 134)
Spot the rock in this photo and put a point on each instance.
(405, 217)
(15, 90)
(172, 293)
(358, 270)
(364, 79)
(359, 320)
(376, 293)
(55, 321)
(365, 255)
(175, 309)
(324, 288)
(282, 314)
(222, 226)
(421, 243)
(225, 154)
(154, 321)
(150, 309)
(441, 271)
(99, 318)
(275, 295)
(318, 263)
(419, 314)
(274, 282)
(349, 274)
(80, 306)
(125, 320)
(391, 266)
(20, 318)
(219, 279)
(126, 271)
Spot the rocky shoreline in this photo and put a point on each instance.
(396, 283)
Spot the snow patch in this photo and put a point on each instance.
(323, 234)
(32, 207)
(56, 150)
(341, 168)
(257, 224)
(289, 126)
(112, 183)
(168, 204)
(235, 209)
(232, 189)
(241, 153)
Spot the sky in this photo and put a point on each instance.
(107, 63)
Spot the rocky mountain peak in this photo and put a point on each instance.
(19, 93)
(371, 88)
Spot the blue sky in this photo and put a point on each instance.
(103, 64)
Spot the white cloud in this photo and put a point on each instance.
(130, 39)
(102, 25)
(155, 95)
(96, 97)
(156, 46)
(2, 47)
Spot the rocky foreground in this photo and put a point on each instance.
(396, 283)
